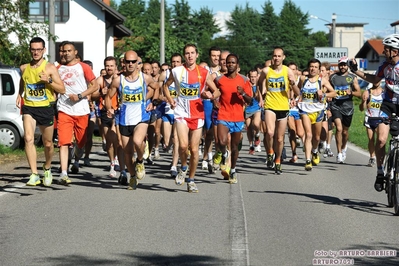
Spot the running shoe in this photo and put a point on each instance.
(132, 183)
(315, 158)
(211, 169)
(343, 155)
(86, 161)
(122, 179)
(34, 180)
(157, 156)
(330, 153)
(251, 150)
(64, 180)
(233, 178)
(226, 173)
(277, 169)
(146, 151)
(308, 165)
(217, 158)
(181, 177)
(371, 162)
(294, 159)
(223, 163)
(379, 182)
(258, 148)
(150, 161)
(75, 168)
(204, 165)
(298, 141)
(339, 158)
(48, 177)
(322, 147)
(270, 161)
(112, 172)
(140, 170)
(173, 172)
(192, 187)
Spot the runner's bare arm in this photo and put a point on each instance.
(113, 88)
(330, 92)
(165, 90)
(211, 91)
(356, 91)
(291, 78)
(51, 74)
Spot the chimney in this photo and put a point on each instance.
(107, 2)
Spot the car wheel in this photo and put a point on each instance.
(9, 136)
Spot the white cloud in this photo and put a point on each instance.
(221, 18)
(370, 34)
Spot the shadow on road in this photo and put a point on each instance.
(355, 204)
(136, 259)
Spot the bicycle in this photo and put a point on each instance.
(391, 163)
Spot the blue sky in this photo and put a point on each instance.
(377, 13)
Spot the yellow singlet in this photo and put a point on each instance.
(36, 92)
(277, 88)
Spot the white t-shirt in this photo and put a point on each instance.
(75, 78)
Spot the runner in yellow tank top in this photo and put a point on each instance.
(278, 80)
(39, 81)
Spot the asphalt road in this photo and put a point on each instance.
(297, 218)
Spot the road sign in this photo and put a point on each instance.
(363, 63)
(330, 54)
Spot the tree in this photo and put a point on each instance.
(269, 23)
(204, 24)
(243, 42)
(15, 25)
(293, 35)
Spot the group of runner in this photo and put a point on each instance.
(186, 103)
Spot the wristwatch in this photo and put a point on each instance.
(50, 80)
(80, 96)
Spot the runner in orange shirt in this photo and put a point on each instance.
(235, 90)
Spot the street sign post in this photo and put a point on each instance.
(330, 54)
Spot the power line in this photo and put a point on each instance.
(391, 19)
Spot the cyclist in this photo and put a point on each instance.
(390, 71)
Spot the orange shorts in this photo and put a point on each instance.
(191, 123)
(68, 126)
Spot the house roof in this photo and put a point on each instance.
(375, 45)
(347, 24)
(115, 18)
(121, 31)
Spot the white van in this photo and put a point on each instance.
(11, 127)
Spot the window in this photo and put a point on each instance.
(38, 10)
(7, 84)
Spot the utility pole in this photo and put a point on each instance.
(334, 17)
(51, 21)
(162, 33)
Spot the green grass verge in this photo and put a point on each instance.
(357, 131)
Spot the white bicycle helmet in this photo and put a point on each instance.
(392, 41)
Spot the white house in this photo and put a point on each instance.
(90, 24)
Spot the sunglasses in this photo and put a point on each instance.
(130, 61)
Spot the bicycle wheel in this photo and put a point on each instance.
(388, 173)
(395, 185)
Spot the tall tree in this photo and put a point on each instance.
(16, 31)
(293, 35)
(269, 24)
(182, 21)
(242, 41)
(204, 26)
